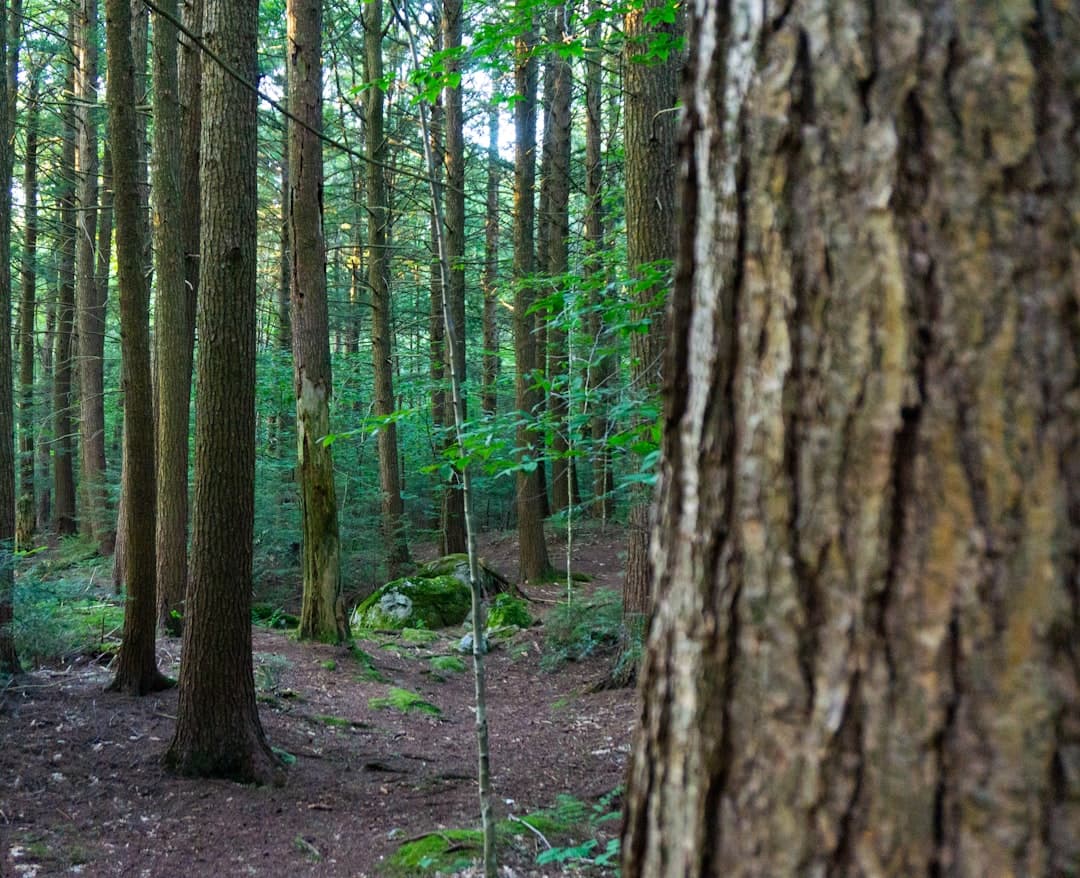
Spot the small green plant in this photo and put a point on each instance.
(446, 852)
(268, 616)
(328, 665)
(508, 610)
(578, 629)
(338, 722)
(368, 673)
(404, 701)
(419, 636)
(56, 619)
(447, 664)
(268, 670)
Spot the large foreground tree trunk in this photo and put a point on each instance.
(863, 658)
(218, 732)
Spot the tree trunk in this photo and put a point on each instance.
(863, 659)
(531, 492)
(651, 94)
(452, 531)
(393, 508)
(284, 314)
(44, 443)
(490, 280)
(218, 732)
(558, 233)
(174, 330)
(136, 672)
(601, 373)
(63, 464)
(9, 56)
(26, 516)
(322, 614)
(95, 520)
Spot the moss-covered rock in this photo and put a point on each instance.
(507, 610)
(416, 602)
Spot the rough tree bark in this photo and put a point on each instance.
(26, 516)
(174, 330)
(531, 493)
(63, 464)
(651, 92)
(322, 613)
(452, 529)
(490, 277)
(136, 670)
(393, 508)
(863, 657)
(95, 521)
(218, 732)
(9, 59)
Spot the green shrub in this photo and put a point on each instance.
(508, 610)
(582, 628)
(56, 620)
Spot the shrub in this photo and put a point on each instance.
(581, 628)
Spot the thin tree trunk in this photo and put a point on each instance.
(63, 464)
(95, 520)
(9, 56)
(530, 490)
(44, 443)
(393, 508)
(452, 531)
(173, 331)
(136, 671)
(218, 732)
(284, 313)
(26, 516)
(863, 658)
(490, 280)
(322, 613)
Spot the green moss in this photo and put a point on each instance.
(404, 701)
(413, 602)
(369, 673)
(335, 721)
(447, 565)
(447, 664)
(508, 610)
(446, 852)
(329, 665)
(418, 635)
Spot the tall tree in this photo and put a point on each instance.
(95, 520)
(557, 220)
(601, 369)
(452, 530)
(9, 59)
(863, 659)
(284, 314)
(136, 670)
(322, 613)
(530, 491)
(26, 516)
(393, 508)
(651, 81)
(489, 281)
(174, 329)
(218, 732)
(63, 464)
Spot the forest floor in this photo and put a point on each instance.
(82, 790)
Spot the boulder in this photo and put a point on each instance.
(434, 601)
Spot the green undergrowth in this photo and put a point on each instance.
(446, 664)
(403, 701)
(582, 628)
(368, 672)
(573, 833)
(270, 616)
(59, 619)
(419, 636)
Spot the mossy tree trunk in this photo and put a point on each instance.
(218, 732)
(863, 657)
(322, 614)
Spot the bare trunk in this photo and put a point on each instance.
(492, 360)
(867, 558)
(136, 670)
(393, 509)
(218, 732)
(531, 493)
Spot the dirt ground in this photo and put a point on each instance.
(82, 790)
